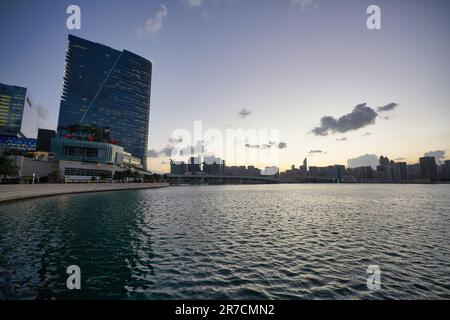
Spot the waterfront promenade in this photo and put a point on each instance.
(13, 192)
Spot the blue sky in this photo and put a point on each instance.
(290, 65)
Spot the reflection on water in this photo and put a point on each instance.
(230, 242)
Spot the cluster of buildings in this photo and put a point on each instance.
(388, 171)
(103, 118)
(211, 166)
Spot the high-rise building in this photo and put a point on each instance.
(44, 140)
(18, 115)
(428, 168)
(400, 171)
(340, 172)
(447, 168)
(304, 168)
(107, 88)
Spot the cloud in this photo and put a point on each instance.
(193, 3)
(167, 152)
(342, 139)
(43, 112)
(367, 160)
(388, 107)
(175, 140)
(304, 3)
(280, 145)
(400, 159)
(244, 113)
(367, 134)
(170, 151)
(362, 115)
(152, 153)
(317, 152)
(154, 24)
(438, 154)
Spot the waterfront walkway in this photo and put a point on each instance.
(13, 192)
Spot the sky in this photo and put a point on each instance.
(310, 69)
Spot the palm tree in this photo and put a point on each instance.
(7, 167)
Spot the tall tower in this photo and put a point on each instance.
(304, 168)
(18, 115)
(104, 87)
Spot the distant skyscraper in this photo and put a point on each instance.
(304, 168)
(400, 171)
(18, 115)
(428, 168)
(107, 88)
(447, 168)
(340, 172)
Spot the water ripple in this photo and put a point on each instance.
(232, 242)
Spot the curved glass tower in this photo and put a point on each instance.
(104, 87)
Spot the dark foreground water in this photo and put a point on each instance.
(232, 242)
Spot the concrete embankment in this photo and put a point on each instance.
(14, 192)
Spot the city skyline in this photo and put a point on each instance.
(380, 95)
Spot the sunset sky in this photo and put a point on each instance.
(261, 64)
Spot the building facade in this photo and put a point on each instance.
(44, 140)
(18, 115)
(16, 145)
(93, 152)
(428, 168)
(105, 87)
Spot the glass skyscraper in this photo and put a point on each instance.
(107, 88)
(18, 115)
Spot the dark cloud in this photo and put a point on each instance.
(438, 154)
(152, 153)
(400, 159)
(361, 116)
(367, 160)
(280, 145)
(388, 107)
(175, 140)
(367, 134)
(342, 139)
(316, 152)
(244, 113)
(168, 151)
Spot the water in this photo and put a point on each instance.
(231, 242)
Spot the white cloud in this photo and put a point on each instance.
(304, 3)
(154, 24)
(439, 155)
(193, 3)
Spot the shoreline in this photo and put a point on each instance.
(12, 192)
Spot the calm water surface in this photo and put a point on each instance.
(230, 242)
